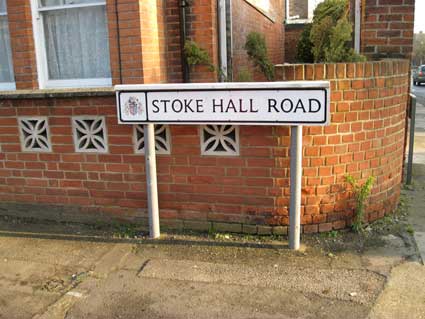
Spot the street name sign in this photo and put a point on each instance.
(269, 103)
(264, 103)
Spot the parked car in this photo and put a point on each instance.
(419, 75)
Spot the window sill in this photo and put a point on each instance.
(56, 93)
(7, 86)
(82, 83)
(298, 21)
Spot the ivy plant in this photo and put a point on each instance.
(256, 49)
(195, 55)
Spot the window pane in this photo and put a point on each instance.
(6, 70)
(3, 6)
(298, 8)
(77, 43)
(48, 3)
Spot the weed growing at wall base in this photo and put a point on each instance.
(361, 193)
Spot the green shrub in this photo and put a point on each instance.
(305, 47)
(244, 75)
(256, 49)
(330, 36)
(196, 55)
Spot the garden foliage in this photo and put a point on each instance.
(329, 38)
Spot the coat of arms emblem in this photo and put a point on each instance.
(133, 106)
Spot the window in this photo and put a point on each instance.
(300, 11)
(7, 81)
(72, 43)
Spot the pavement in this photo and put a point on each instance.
(404, 293)
(67, 270)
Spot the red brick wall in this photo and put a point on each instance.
(387, 28)
(202, 29)
(292, 36)
(173, 57)
(146, 30)
(247, 19)
(368, 105)
(22, 43)
(128, 48)
(366, 138)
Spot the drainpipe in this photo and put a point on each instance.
(229, 40)
(183, 36)
(357, 25)
(222, 39)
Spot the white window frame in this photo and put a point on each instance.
(312, 4)
(7, 86)
(40, 48)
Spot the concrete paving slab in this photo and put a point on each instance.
(124, 297)
(404, 295)
(365, 284)
(56, 252)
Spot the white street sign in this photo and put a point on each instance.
(268, 103)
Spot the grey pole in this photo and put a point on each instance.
(296, 172)
(411, 139)
(152, 189)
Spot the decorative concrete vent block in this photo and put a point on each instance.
(90, 134)
(34, 133)
(220, 140)
(162, 139)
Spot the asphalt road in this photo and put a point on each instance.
(419, 91)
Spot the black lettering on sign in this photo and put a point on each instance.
(220, 104)
(251, 107)
(165, 104)
(231, 106)
(300, 105)
(177, 106)
(241, 109)
(155, 107)
(286, 105)
(187, 106)
(272, 104)
(310, 106)
(199, 106)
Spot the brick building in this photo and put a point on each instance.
(64, 156)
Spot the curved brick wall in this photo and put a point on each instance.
(366, 137)
(248, 193)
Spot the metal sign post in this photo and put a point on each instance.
(295, 184)
(151, 183)
(268, 103)
(411, 139)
